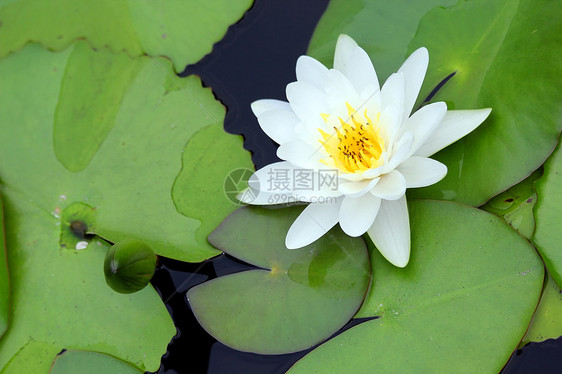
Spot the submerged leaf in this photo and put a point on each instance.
(446, 311)
(297, 299)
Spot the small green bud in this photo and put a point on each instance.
(129, 265)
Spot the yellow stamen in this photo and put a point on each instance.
(357, 145)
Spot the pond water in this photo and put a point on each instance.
(255, 60)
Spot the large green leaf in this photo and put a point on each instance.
(546, 323)
(122, 190)
(33, 357)
(153, 27)
(505, 55)
(548, 215)
(296, 300)
(129, 176)
(60, 298)
(384, 28)
(4, 278)
(82, 362)
(461, 305)
(199, 190)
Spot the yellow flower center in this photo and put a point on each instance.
(355, 146)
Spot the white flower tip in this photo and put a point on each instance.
(401, 264)
(258, 107)
(292, 243)
(398, 257)
(346, 40)
(480, 115)
(422, 52)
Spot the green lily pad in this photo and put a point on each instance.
(153, 27)
(199, 190)
(33, 357)
(548, 214)
(486, 43)
(297, 299)
(382, 28)
(516, 205)
(461, 305)
(81, 362)
(60, 298)
(546, 323)
(4, 278)
(59, 295)
(128, 181)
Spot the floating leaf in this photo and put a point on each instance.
(81, 362)
(461, 305)
(546, 323)
(4, 278)
(129, 265)
(154, 27)
(129, 179)
(486, 43)
(297, 299)
(382, 28)
(33, 357)
(548, 214)
(516, 205)
(59, 295)
(199, 189)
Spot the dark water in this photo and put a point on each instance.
(256, 60)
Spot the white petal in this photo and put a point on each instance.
(392, 92)
(274, 178)
(359, 188)
(391, 232)
(357, 214)
(255, 197)
(424, 122)
(314, 221)
(344, 46)
(360, 71)
(261, 106)
(352, 177)
(392, 186)
(289, 180)
(338, 92)
(311, 71)
(307, 102)
(422, 171)
(301, 153)
(391, 122)
(400, 152)
(279, 125)
(455, 125)
(414, 69)
(372, 104)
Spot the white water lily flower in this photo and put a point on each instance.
(339, 121)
